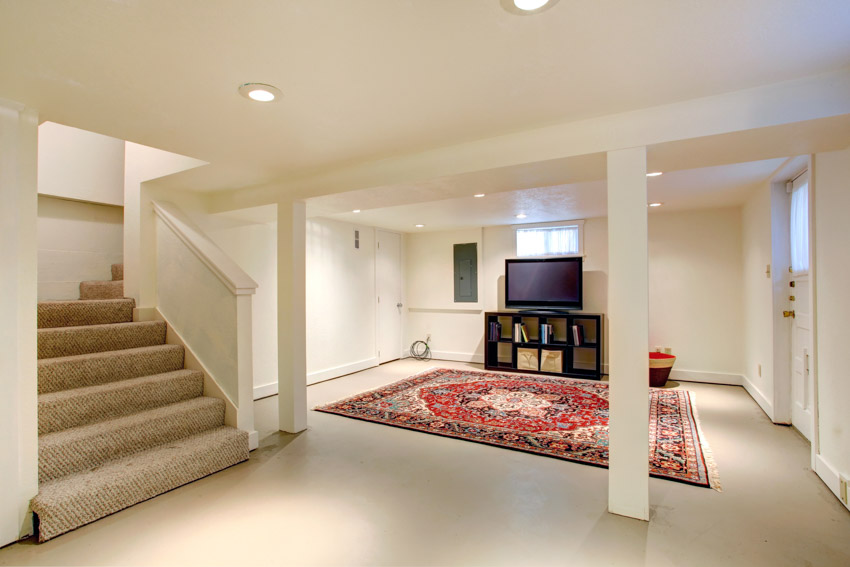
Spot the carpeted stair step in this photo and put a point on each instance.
(70, 341)
(84, 448)
(102, 290)
(65, 373)
(79, 499)
(117, 272)
(58, 411)
(53, 314)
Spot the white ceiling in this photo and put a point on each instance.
(709, 187)
(374, 78)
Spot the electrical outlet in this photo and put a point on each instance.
(843, 491)
(668, 350)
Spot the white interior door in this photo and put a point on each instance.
(389, 284)
(802, 383)
(802, 391)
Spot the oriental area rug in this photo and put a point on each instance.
(555, 417)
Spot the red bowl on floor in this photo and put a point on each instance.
(660, 365)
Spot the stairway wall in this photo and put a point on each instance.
(76, 242)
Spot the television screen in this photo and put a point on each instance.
(553, 283)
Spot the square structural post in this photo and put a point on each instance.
(628, 315)
(292, 315)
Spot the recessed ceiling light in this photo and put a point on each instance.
(655, 204)
(356, 211)
(529, 5)
(419, 225)
(260, 92)
(521, 216)
(526, 7)
(655, 174)
(478, 195)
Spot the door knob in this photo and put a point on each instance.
(789, 314)
(399, 305)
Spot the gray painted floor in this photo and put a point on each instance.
(348, 492)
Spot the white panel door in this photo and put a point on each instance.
(802, 390)
(389, 285)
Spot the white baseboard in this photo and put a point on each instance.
(706, 377)
(265, 391)
(830, 477)
(759, 397)
(337, 371)
(457, 356)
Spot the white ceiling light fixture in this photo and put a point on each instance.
(527, 7)
(655, 174)
(521, 216)
(260, 92)
(420, 225)
(655, 204)
(356, 211)
(478, 195)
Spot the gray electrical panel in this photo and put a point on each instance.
(466, 273)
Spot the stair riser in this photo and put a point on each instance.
(55, 375)
(57, 412)
(52, 314)
(97, 494)
(61, 456)
(72, 341)
(117, 272)
(102, 290)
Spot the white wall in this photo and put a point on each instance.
(77, 242)
(832, 238)
(758, 297)
(81, 165)
(253, 246)
(693, 256)
(341, 325)
(456, 329)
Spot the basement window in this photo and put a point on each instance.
(550, 239)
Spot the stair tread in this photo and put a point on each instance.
(83, 370)
(83, 497)
(85, 339)
(58, 411)
(69, 451)
(83, 312)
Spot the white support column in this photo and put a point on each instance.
(292, 315)
(628, 315)
(18, 296)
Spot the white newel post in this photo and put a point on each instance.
(628, 314)
(292, 317)
(18, 296)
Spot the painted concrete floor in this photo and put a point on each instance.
(347, 492)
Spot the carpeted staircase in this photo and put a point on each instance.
(119, 419)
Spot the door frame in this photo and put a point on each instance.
(780, 260)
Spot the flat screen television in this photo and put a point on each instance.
(544, 283)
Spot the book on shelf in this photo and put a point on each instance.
(547, 333)
(495, 331)
(578, 335)
(517, 332)
(524, 332)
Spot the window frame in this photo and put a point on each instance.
(556, 224)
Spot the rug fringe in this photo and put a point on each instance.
(710, 463)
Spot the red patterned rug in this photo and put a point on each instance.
(556, 417)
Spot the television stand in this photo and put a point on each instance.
(572, 346)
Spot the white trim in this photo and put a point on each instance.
(707, 377)
(219, 263)
(457, 356)
(758, 396)
(337, 371)
(265, 391)
(830, 477)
